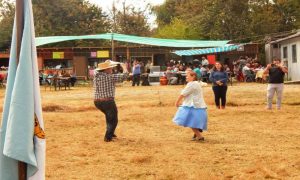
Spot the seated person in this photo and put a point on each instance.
(41, 76)
(248, 73)
(49, 77)
(171, 76)
(66, 81)
(2, 78)
(226, 68)
(73, 79)
(204, 73)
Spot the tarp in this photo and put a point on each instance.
(206, 50)
(134, 39)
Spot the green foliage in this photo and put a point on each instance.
(177, 29)
(289, 12)
(58, 18)
(69, 17)
(241, 21)
(166, 12)
(6, 23)
(130, 21)
(74, 17)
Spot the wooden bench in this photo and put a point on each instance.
(82, 78)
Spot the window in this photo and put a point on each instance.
(294, 53)
(285, 52)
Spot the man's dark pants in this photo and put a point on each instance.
(110, 110)
(136, 79)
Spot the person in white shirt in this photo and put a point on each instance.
(204, 61)
(192, 112)
(248, 72)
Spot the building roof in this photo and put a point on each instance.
(134, 39)
(286, 38)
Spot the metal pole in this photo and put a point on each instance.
(114, 30)
(112, 47)
(20, 26)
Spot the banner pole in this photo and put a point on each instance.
(22, 167)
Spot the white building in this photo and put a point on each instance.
(288, 49)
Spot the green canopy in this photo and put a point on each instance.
(207, 50)
(133, 39)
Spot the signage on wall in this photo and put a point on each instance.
(93, 54)
(102, 54)
(211, 59)
(58, 55)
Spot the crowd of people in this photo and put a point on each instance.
(244, 69)
(57, 76)
(248, 69)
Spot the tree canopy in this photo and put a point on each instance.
(237, 20)
(241, 21)
(74, 17)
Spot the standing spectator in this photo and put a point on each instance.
(204, 61)
(142, 67)
(104, 95)
(242, 63)
(226, 68)
(197, 71)
(128, 65)
(192, 113)
(219, 79)
(136, 72)
(276, 73)
(41, 76)
(148, 66)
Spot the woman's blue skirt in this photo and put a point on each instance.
(191, 117)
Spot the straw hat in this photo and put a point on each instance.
(106, 65)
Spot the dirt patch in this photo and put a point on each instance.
(59, 108)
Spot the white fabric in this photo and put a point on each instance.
(193, 95)
(39, 144)
(205, 62)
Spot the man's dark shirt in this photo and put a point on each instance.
(276, 75)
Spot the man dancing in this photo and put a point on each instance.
(104, 94)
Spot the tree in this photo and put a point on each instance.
(6, 23)
(241, 21)
(166, 12)
(69, 17)
(226, 19)
(130, 20)
(289, 11)
(177, 29)
(58, 18)
(264, 19)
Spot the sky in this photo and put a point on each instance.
(106, 5)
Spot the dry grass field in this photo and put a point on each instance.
(244, 141)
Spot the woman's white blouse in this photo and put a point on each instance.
(193, 95)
